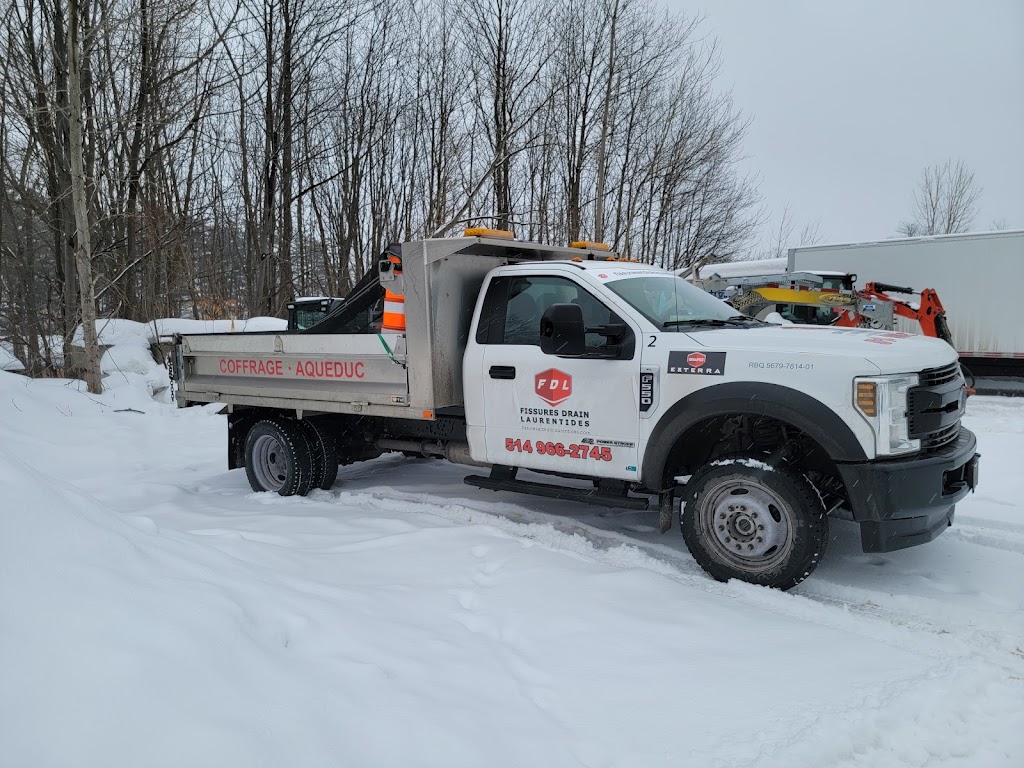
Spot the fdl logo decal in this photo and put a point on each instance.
(553, 386)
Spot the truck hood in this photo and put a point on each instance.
(890, 352)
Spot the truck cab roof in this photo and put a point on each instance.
(602, 266)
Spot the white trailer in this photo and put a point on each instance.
(976, 276)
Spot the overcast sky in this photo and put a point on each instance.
(852, 99)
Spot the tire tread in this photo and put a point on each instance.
(324, 455)
(810, 536)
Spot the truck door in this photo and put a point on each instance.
(572, 415)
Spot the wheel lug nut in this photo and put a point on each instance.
(760, 527)
(753, 514)
(727, 539)
(721, 527)
(760, 539)
(738, 546)
(750, 546)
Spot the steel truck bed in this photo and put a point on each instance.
(339, 373)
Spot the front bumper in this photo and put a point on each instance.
(904, 502)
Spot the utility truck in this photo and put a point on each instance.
(570, 373)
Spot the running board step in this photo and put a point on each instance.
(586, 495)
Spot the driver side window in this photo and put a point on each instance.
(514, 305)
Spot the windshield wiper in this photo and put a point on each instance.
(735, 320)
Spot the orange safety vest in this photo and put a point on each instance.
(394, 303)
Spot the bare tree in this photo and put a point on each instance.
(83, 242)
(233, 154)
(506, 45)
(785, 236)
(945, 201)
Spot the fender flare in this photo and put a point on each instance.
(807, 414)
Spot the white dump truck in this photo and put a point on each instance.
(568, 373)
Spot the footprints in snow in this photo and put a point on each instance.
(470, 599)
(533, 683)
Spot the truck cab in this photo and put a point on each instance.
(538, 363)
(306, 311)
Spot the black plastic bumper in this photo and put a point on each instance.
(905, 502)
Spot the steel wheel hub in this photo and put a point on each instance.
(748, 523)
(270, 463)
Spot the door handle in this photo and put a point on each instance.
(502, 372)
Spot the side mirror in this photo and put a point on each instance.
(562, 331)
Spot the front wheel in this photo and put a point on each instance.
(744, 519)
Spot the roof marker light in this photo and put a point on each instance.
(497, 234)
(590, 246)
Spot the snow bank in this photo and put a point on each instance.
(118, 331)
(129, 361)
(169, 326)
(94, 608)
(8, 362)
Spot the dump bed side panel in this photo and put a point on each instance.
(338, 369)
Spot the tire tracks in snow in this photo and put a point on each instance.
(840, 607)
(1009, 538)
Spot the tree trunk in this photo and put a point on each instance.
(602, 142)
(83, 245)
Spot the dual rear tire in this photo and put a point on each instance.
(290, 457)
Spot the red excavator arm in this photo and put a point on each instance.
(929, 313)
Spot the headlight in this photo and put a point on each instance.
(882, 400)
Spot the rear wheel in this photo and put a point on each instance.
(278, 458)
(324, 454)
(743, 519)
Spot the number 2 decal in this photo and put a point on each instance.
(653, 339)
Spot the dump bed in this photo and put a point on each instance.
(408, 375)
(335, 373)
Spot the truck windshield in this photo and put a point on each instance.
(671, 303)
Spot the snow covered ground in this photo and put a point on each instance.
(156, 612)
